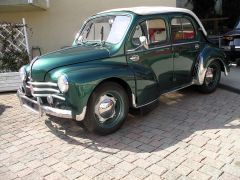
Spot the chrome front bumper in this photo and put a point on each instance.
(36, 107)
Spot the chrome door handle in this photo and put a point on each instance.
(197, 46)
(134, 58)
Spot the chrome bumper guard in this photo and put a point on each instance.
(36, 107)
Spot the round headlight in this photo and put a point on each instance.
(23, 73)
(63, 83)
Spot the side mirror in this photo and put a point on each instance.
(143, 41)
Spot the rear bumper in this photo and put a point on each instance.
(35, 106)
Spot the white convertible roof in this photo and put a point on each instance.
(148, 10)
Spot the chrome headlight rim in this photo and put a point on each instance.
(23, 73)
(63, 84)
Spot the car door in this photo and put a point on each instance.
(185, 48)
(153, 67)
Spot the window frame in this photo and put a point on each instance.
(192, 23)
(156, 44)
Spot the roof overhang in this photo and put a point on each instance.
(23, 5)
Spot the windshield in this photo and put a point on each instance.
(109, 29)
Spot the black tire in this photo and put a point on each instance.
(210, 86)
(121, 107)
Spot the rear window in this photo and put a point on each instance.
(182, 29)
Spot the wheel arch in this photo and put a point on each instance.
(122, 83)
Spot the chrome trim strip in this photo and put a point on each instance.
(58, 97)
(46, 95)
(237, 47)
(43, 84)
(45, 89)
(185, 86)
(134, 99)
(136, 106)
(131, 51)
(185, 43)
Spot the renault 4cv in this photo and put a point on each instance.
(121, 59)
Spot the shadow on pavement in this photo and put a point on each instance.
(172, 121)
(3, 108)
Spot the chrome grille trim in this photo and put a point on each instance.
(43, 84)
(45, 89)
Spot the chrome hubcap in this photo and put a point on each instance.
(105, 108)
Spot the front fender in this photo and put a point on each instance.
(208, 55)
(85, 78)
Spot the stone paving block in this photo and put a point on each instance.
(17, 167)
(157, 169)
(54, 176)
(154, 177)
(215, 173)
(168, 164)
(103, 176)
(192, 164)
(226, 176)
(126, 166)
(79, 165)
(60, 167)
(232, 169)
(24, 172)
(50, 161)
(140, 173)
(91, 171)
(214, 163)
(34, 164)
(112, 160)
(142, 163)
(117, 173)
(43, 170)
(183, 170)
(198, 176)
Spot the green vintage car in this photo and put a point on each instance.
(121, 59)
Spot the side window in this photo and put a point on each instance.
(182, 29)
(154, 30)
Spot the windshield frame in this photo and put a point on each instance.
(76, 40)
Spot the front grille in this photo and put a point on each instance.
(44, 89)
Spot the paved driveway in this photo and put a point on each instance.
(187, 136)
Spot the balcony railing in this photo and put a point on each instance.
(23, 5)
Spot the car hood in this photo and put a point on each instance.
(235, 32)
(63, 57)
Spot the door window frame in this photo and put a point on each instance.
(193, 23)
(161, 44)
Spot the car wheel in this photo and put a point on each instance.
(212, 78)
(107, 109)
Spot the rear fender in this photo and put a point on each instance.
(208, 55)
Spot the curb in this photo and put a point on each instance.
(229, 88)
